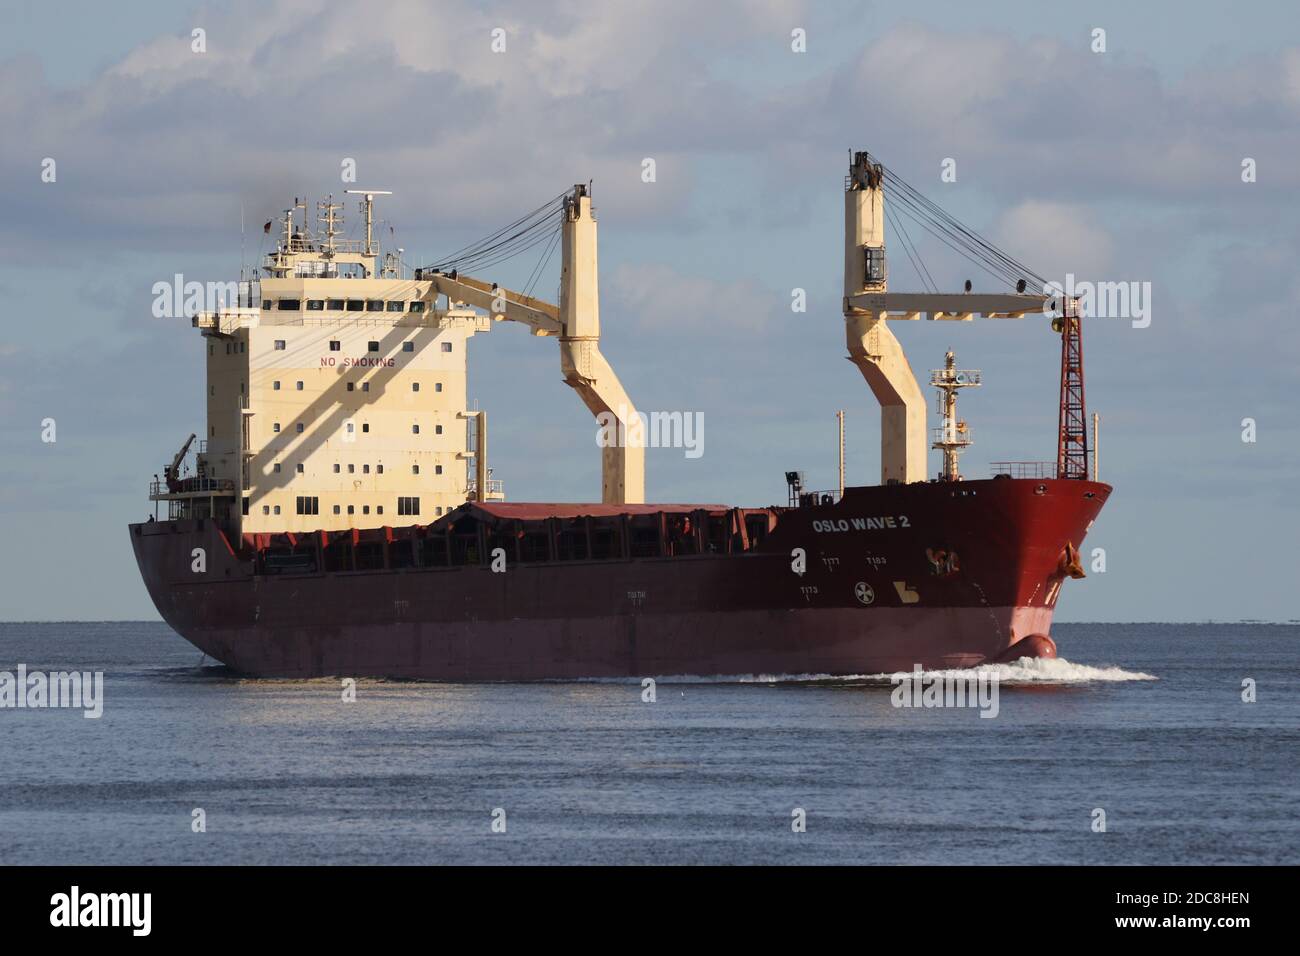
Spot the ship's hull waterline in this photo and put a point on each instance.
(939, 574)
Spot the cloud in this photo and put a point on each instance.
(1056, 238)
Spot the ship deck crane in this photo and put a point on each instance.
(869, 306)
(575, 322)
(172, 473)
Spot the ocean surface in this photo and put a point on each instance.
(1144, 722)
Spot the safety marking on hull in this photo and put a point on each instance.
(906, 594)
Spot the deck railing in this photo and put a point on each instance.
(1024, 469)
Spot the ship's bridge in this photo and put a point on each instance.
(336, 395)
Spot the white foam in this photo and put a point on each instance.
(1026, 670)
(1039, 670)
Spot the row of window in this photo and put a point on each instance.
(365, 386)
(298, 386)
(310, 505)
(365, 469)
(365, 428)
(351, 428)
(336, 345)
(343, 305)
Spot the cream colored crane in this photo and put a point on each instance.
(576, 322)
(868, 305)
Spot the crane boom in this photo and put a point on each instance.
(576, 322)
(502, 304)
(868, 305)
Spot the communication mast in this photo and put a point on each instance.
(1072, 421)
(953, 436)
(331, 217)
(368, 207)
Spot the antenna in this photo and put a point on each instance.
(840, 417)
(332, 222)
(368, 207)
(953, 436)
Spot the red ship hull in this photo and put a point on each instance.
(936, 574)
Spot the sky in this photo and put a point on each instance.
(1161, 152)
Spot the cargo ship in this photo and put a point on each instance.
(339, 517)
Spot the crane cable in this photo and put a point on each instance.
(955, 234)
(507, 242)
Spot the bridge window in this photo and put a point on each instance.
(408, 346)
(356, 305)
(408, 506)
(374, 305)
(315, 305)
(308, 505)
(372, 346)
(417, 306)
(397, 307)
(335, 345)
(446, 346)
(335, 305)
(279, 345)
(289, 305)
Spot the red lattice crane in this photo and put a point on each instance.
(1072, 421)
